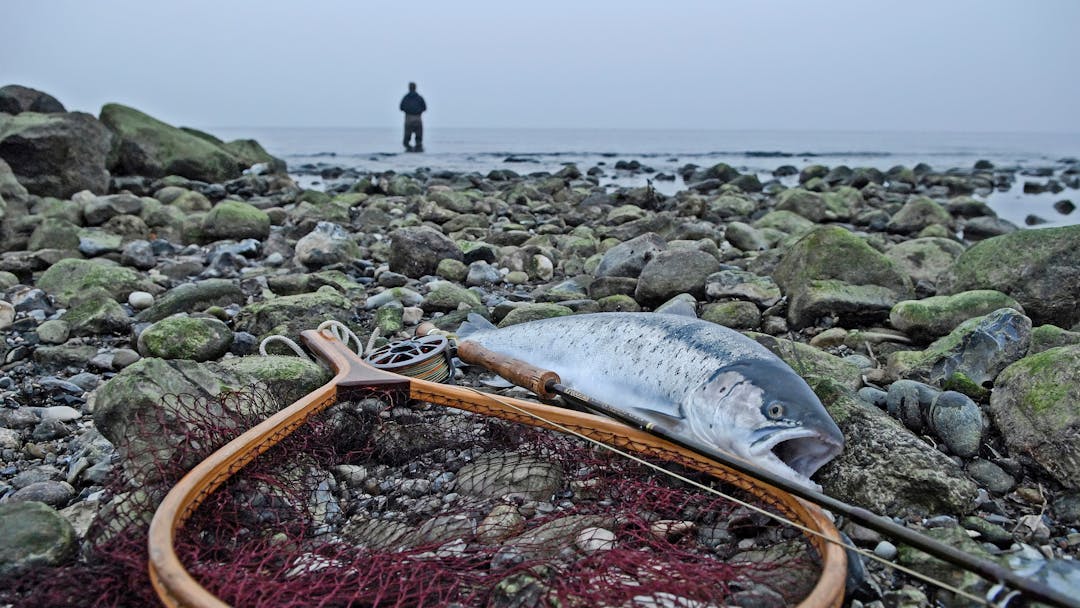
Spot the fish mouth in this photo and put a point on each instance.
(796, 452)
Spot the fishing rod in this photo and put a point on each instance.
(547, 384)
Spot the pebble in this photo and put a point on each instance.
(7, 314)
(123, 357)
(886, 550)
(53, 331)
(592, 539)
(140, 300)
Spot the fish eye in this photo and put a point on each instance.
(775, 411)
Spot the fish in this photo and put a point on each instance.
(696, 379)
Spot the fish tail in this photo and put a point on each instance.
(474, 323)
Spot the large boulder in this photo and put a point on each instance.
(16, 99)
(1036, 403)
(251, 153)
(1040, 268)
(831, 271)
(56, 154)
(144, 145)
(184, 337)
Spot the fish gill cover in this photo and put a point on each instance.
(371, 504)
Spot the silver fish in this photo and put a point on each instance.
(697, 379)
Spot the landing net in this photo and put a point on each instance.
(374, 503)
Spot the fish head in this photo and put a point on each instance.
(764, 413)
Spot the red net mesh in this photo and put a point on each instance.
(375, 504)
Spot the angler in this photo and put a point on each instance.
(692, 378)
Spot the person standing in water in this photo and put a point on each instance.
(413, 106)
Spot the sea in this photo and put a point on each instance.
(1031, 155)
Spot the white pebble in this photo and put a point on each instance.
(411, 315)
(7, 314)
(63, 413)
(885, 550)
(591, 540)
(140, 300)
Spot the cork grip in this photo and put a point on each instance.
(519, 372)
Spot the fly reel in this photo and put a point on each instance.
(425, 358)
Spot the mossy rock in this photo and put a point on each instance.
(736, 315)
(250, 152)
(832, 271)
(1045, 337)
(144, 145)
(917, 214)
(810, 362)
(938, 315)
(70, 277)
(1037, 400)
(182, 337)
(193, 297)
(235, 220)
(618, 303)
(953, 536)
(54, 233)
(1039, 267)
(94, 312)
(32, 535)
(289, 315)
(446, 296)
(285, 376)
(978, 348)
(925, 259)
(534, 312)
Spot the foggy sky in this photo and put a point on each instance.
(948, 65)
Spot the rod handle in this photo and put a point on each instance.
(517, 371)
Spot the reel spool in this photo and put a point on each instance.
(426, 358)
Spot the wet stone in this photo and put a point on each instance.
(991, 476)
(52, 493)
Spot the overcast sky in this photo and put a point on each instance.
(935, 65)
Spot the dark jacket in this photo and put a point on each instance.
(413, 104)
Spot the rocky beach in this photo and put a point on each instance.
(139, 260)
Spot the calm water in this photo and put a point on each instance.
(529, 150)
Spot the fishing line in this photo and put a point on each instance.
(750, 506)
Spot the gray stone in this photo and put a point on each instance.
(742, 285)
(138, 254)
(327, 244)
(673, 272)
(745, 237)
(957, 420)
(95, 241)
(991, 476)
(628, 258)
(16, 99)
(50, 492)
(193, 297)
(534, 312)
(1045, 337)
(7, 314)
(54, 233)
(925, 259)
(101, 209)
(140, 300)
(497, 474)
(33, 534)
(416, 251)
(482, 273)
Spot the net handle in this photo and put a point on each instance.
(514, 370)
(176, 587)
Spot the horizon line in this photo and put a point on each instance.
(669, 129)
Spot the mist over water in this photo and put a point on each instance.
(663, 152)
